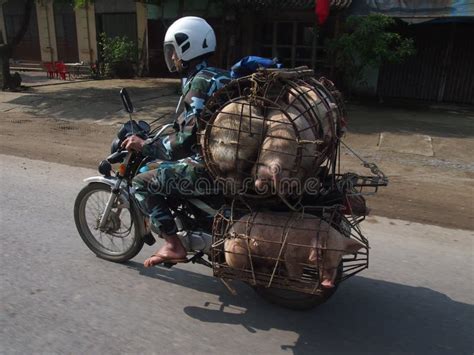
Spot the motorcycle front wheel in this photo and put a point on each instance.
(120, 240)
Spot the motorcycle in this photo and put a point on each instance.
(111, 224)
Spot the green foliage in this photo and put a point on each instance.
(118, 54)
(76, 3)
(81, 3)
(153, 2)
(368, 42)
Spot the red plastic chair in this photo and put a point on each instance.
(50, 70)
(62, 71)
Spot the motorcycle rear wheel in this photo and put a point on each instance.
(297, 300)
(293, 299)
(94, 238)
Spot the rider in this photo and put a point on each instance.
(189, 42)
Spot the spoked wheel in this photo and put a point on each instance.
(293, 299)
(120, 240)
(297, 300)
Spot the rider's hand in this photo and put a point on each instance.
(134, 143)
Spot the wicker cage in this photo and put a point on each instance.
(287, 250)
(273, 123)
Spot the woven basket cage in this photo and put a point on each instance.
(284, 113)
(292, 237)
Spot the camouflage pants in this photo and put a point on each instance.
(166, 180)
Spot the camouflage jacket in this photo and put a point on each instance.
(197, 89)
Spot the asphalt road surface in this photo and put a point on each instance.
(57, 297)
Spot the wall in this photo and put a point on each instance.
(3, 29)
(86, 34)
(46, 30)
(441, 69)
(116, 6)
(369, 85)
(142, 35)
(29, 46)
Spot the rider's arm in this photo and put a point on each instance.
(156, 149)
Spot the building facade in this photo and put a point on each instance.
(442, 69)
(279, 28)
(58, 31)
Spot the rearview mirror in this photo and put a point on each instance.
(127, 103)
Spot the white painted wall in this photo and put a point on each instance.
(46, 30)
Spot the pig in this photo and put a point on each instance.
(234, 139)
(309, 102)
(261, 234)
(279, 150)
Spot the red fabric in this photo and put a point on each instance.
(62, 71)
(50, 70)
(322, 10)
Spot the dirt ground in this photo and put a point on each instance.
(434, 187)
(426, 151)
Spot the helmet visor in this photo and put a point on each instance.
(169, 54)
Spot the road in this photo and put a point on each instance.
(57, 297)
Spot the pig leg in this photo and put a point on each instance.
(329, 268)
(295, 257)
(294, 268)
(337, 247)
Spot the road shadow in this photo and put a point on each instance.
(77, 103)
(364, 316)
(100, 100)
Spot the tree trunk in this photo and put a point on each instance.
(8, 81)
(5, 54)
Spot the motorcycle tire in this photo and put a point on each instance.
(90, 240)
(292, 299)
(297, 300)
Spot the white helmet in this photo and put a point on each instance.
(188, 37)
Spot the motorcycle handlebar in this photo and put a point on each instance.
(163, 129)
(117, 157)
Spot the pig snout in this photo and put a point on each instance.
(260, 184)
(268, 176)
(236, 253)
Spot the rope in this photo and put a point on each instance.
(286, 230)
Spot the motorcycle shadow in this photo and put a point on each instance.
(365, 315)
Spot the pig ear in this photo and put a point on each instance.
(351, 246)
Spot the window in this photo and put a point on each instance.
(294, 43)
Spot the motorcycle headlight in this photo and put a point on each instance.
(105, 168)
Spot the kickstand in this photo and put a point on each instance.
(197, 259)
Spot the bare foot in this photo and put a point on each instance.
(159, 258)
(173, 252)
